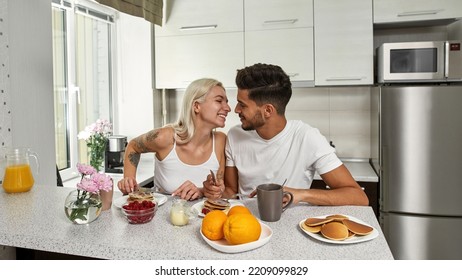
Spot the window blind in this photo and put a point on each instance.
(151, 10)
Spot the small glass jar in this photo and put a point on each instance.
(180, 213)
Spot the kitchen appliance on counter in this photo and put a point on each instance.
(417, 151)
(115, 152)
(434, 61)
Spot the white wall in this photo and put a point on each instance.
(31, 82)
(134, 101)
(5, 106)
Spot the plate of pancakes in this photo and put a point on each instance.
(223, 246)
(140, 196)
(206, 205)
(338, 229)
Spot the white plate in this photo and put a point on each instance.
(351, 240)
(198, 206)
(223, 246)
(160, 199)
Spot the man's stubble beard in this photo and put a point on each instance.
(257, 121)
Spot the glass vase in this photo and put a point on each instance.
(98, 152)
(82, 207)
(97, 161)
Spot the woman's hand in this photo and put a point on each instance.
(188, 191)
(127, 185)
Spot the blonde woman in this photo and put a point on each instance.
(185, 151)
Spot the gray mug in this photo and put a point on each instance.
(269, 197)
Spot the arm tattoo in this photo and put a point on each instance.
(134, 158)
(152, 135)
(140, 145)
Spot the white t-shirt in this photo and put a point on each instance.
(294, 154)
(171, 172)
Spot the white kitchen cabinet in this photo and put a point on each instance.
(343, 50)
(396, 11)
(277, 14)
(186, 17)
(199, 38)
(182, 59)
(292, 49)
(281, 32)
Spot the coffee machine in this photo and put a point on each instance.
(115, 152)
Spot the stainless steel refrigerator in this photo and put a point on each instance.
(417, 151)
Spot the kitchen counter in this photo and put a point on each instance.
(144, 175)
(36, 220)
(360, 169)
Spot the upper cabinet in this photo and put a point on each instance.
(199, 39)
(186, 17)
(399, 11)
(343, 32)
(281, 32)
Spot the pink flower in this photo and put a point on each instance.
(85, 169)
(102, 126)
(103, 181)
(93, 181)
(88, 185)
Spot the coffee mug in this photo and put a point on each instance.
(269, 197)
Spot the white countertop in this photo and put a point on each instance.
(144, 175)
(360, 169)
(43, 225)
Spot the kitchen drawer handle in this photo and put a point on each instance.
(419, 13)
(344, 78)
(198, 27)
(280, 21)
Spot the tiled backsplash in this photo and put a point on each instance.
(5, 109)
(342, 114)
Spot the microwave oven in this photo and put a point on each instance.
(411, 62)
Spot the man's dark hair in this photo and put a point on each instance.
(266, 84)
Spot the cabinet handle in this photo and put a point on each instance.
(344, 78)
(198, 27)
(291, 75)
(280, 21)
(419, 13)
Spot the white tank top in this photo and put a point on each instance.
(171, 172)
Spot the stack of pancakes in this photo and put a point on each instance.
(140, 196)
(216, 204)
(336, 227)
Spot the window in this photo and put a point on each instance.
(82, 70)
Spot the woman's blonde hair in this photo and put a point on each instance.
(196, 92)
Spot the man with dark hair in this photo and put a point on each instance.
(267, 148)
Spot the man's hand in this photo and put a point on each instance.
(213, 190)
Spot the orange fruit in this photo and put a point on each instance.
(238, 209)
(241, 228)
(212, 224)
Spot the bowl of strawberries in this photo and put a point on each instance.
(139, 212)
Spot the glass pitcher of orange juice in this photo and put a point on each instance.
(18, 174)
